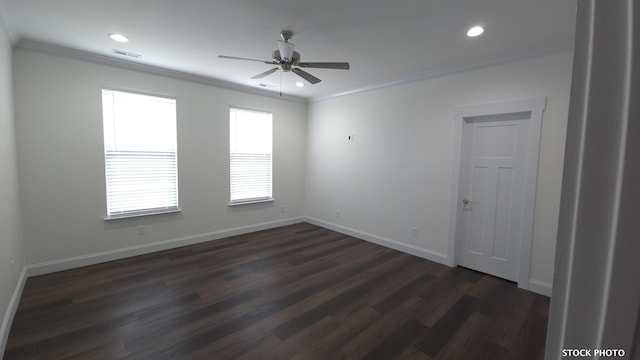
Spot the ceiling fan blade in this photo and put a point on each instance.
(325, 65)
(305, 75)
(241, 58)
(268, 72)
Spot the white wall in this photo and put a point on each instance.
(61, 162)
(11, 247)
(396, 173)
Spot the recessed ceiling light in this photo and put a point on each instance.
(299, 84)
(119, 38)
(475, 31)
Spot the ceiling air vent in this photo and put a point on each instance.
(126, 53)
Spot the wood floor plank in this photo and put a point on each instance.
(509, 321)
(305, 338)
(297, 294)
(412, 353)
(78, 338)
(389, 324)
(359, 321)
(307, 318)
(256, 313)
(411, 269)
(469, 343)
(294, 292)
(396, 343)
(441, 296)
(444, 329)
(396, 298)
(530, 338)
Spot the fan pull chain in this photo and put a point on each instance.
(280, 83)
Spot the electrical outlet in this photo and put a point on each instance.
(414, 231)
(140, 230)
(282, 209)
(338, 213)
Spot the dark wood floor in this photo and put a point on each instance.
(296, 292)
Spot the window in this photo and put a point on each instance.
(140, 153)
(250, 156)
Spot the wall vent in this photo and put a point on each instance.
(126, 53)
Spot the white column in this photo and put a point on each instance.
(596, 288)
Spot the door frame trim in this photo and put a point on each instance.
(534, 106)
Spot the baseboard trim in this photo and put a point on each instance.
(409, 249)
(536, 286)
(11, 311)
(96, 258)
(540, 287)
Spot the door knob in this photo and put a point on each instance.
(465, 201)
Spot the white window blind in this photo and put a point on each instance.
(250, 156)
(140, 148)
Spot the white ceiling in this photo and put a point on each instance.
(383, 40)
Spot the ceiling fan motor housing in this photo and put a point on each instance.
(286, 65)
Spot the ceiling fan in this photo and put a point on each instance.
(287, 60)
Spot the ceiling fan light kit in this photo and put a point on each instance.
(286, 59)
(286, 48)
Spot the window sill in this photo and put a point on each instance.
(137, 215)
(251, 201)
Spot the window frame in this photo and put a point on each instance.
(174, 207)
(251, 200)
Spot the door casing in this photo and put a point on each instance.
(535, 107)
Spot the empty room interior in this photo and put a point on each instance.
(318, 180)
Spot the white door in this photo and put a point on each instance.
(492, 193)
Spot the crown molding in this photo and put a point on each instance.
(72, 53)
(61, 51)
(451, 69)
